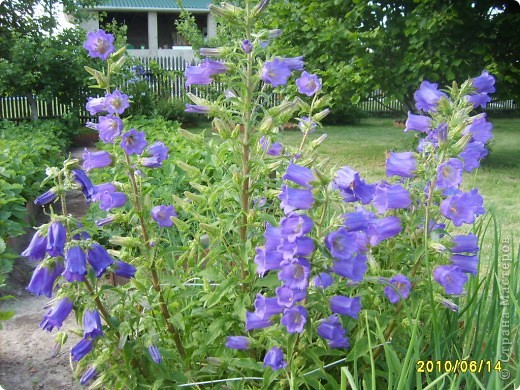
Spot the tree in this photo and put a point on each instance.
(360, 46)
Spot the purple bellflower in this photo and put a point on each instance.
(43, 278)
(75, 265)
(162, 215)
(295, 226)
(293, 199)
(46, 197)
(479, 99)
(420, 123)
(466, 263)
(56, 316)
(109, 127)
(124, 270)
(295, 274)
(274, 149)
(323, 280)
(56, 237)
(427, 96)
(100, 190)
(134, 142)
(294, 319)
(116, 102)
(246, 46)
(472, 154)
(275, 73)
(389, 196)
(463, 207)
(88, 375)
(332, 331)
(299, 175)
(37, 247)
(402, 285)
(485, 83)
(93, 160)
(266, 260)
(92, 324)
(287, 297)
(343, 244)
(351, 187)
(99, 259)
(274, 358)
(196, 75)
(267, 307)
(81, 349)
(112, 200)
(401, 164)
(293, 63)
(86, 185)
(99, 44)
(157, 152)
(240, 343)
(308, 84)
(449, 174)
(451, 278)
(346, 306)
(353, 268)
(96, 105)
(480, 130)
(256, 321)
(197, 109)
(155, 354)
(465, 244)
(383, 229)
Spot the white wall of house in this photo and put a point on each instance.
(153, 49)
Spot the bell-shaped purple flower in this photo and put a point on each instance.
(466, 263)
(88, 375)
(485, 83)
(81, 349)
(308, 84)
(463, 207)
(240, 343)
(99, 259)
(299, 175)
(92, 324)
(86, 185)
(479, 99)
(256, 321)
(480, 130)
(293, 199)
(93, 160)
(162, 215)
(100, 189)
(46, 197)
(449, 174)
(58, 314)
(43, 278)
(323, 280)
(116, 102)
(332, 331)
(267, 307)
(294, 319)
(274, 149)
(287, 297)
(96, 105)
(274, 358)
(384, 228)
(472, 154)
(465, 244)
(99, 44)
(197, 109)
(346, 306)
(451, 278)
(124, 270)
(212, 67)
(196, 75)
(353, 268)
(295, 226)
(112, 200)
(37, 247)
(301, 247)
(401, 284)
(246, 46)
(266, 260)
(293, 63)
(275, 73)
(391, 197)
(420, 123)
(295, 274)
(343, 244)
(109, 127)
(134, 142)
(56, 237)
(359, 220)
(401, 164)
(351, 187)
(427, 96)
(75, 265)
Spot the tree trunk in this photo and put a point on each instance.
(34, 108)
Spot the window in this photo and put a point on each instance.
(137, 24)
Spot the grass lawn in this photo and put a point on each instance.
(363, 146)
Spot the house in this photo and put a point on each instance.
(151, 24)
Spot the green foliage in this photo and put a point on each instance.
(26, 150)
(392, 46)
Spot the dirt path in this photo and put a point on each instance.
(26, 349)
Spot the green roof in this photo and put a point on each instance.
(152, 5)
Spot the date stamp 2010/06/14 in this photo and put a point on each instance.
(458, 366)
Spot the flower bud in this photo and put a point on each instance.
(317, 142)
(437, 247)
(225, 10)
(260, 7)
(320, 115)
(266, 125)
(211, 51)
(127, 242)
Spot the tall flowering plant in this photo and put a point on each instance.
(267, 267)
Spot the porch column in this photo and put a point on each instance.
(212, 26)
(153, 37)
